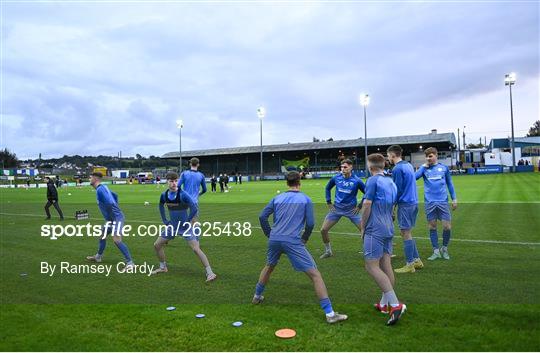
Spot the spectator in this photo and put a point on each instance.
(52, 199)
(221, 182)
(213, 181)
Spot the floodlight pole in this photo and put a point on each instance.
(365, 142)
(364, 100)
(261, 174)
(458, 144)
(510, 80)
(261, 112)
(180, 147)
(180, 125)
(512, 123)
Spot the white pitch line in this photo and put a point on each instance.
(463, 240)
(482, 241)
(495, 202)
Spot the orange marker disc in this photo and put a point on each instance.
(286, 333)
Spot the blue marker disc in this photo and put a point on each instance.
(200, 316)
(171, 308)
(237, 323)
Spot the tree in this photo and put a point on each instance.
(535, 129)
(9, 159)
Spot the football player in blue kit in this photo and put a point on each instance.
(193, 181)
(293, 224)
(377, 230)
(345, 202)
(114, 218)
(180, 223)
(407, 207)
(437, 185)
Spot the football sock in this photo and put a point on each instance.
(326, 305)
(446, 237)
(434, 238)
(416, 255)
(163, 264)
(259, 289)
(209, 270)
(327, 247)
(392, 298)
(408, 246)
(383, 300)
(101, 248)
(125, 251)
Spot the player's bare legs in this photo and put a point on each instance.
(264, 277)
(325, 229)
(322, 294)
(373, 267)
(194, 245)
(159, 245)
(386, 266)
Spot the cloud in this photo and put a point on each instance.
(85, 78)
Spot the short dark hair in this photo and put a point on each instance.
(347, 161)
(431, 150)
(376, 160)
(194, 161)
(395, 149)
(293, 178)
(97, 175)
(171, 176)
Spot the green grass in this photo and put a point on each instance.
(485, 298)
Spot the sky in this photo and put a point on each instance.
(101, 77)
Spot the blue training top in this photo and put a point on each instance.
(346, 190)
(108, 204)
(405, 180)
(436, 179)
(382, 192)
(177, 203)
(292, 211)
(191, 181)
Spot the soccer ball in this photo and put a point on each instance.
(277, 192)
(146, 203)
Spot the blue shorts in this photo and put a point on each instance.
(347, 211)
(109, 229)
(169, 233)
(375, 247)
(406, 215)
(299, 256)
(438, 211)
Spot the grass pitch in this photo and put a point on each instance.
(485, 298)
